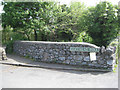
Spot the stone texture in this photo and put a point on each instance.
(62, 58)
(78, 57)
(102, 49)
(3, 54)
(59, 52)
(67, 61)
(78, 62)
(70, 58)
(101, 61)
(110, 62)
(87, 58)
(73, 63)
(91, 64)
(97, 65)
(84, 63)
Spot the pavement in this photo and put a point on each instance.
(16, 60)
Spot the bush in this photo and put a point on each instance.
(8, 38)
(84, 37)
(116, 44)
(9, 47)
(102, 23)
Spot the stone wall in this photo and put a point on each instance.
(2, 53)
(72, 53)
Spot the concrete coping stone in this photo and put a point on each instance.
(48, 42)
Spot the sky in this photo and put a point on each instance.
(86, 2)
(89, 2)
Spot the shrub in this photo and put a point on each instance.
(102, 23)
(84, 37)
(9, 47)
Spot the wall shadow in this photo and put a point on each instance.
(21, 59)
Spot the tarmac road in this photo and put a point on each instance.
(26, 77)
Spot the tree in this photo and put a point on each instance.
(101, 23)
(28, 17)
(66, 27)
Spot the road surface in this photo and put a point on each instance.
(26, 77)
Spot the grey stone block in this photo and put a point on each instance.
(110, 62)
(84, 63)
(97, 65)
(91, 64)
(69, 58)
(62, 58)
(72, 63)
(101, 61)
(67, 61)
(78, 62)
(87, 58)
(78, 57)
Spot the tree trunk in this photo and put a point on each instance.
(35, 35)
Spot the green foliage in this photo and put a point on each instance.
(117, 52)
(9, 47)
(50, 21)
(30, 16)
(101, 23)
(116, 44)
(45, 21)
(84, 37)
(9, 36)
(114, 70)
